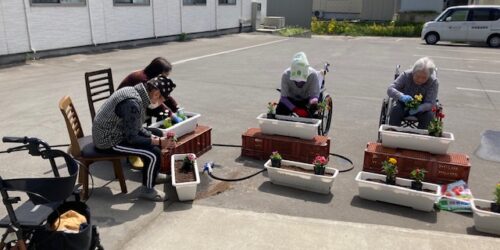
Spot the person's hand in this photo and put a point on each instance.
(301, 112)
(175, 119)
(155, 140)
(406, 98)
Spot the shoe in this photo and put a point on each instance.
(153, 194)
(161, 178)
(136, 162)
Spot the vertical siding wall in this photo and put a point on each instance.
(100, 21)
(421, 5)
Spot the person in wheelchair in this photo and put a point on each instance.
(421, 79)
(300, 89)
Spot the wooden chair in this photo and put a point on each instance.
(99, 85)
(82, 148)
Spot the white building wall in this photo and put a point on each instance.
(13, 31)
(54, 27)
(421, 5)
(99, 21)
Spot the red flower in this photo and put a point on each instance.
(441, 115)
(434, 109)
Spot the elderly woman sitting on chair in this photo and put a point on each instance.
(300, 88)
(421, 80)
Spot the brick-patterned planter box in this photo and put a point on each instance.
(197, 142)
(442, 169)
(260, 146)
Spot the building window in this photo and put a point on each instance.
(58, 2)
(194, 2)
(131, 2)
(227, 2)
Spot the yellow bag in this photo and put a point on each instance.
(69, 222)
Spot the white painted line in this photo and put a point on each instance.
(470, 71)
(462, 51)
(458, 58)
(479, 90)
(226, 52)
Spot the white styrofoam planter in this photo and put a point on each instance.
(304, 128)
(186, 191)
(185, 127)
(485, 221)
(309, 182)
(375, 191)
(420, 141)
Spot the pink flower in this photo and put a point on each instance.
(191, 157)
(320, 160)
(170, 134)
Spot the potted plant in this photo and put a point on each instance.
(167, 123)
(436, 126)
(391, 170)
(301, 176)
(418, 176)
(486, 213)
(271, 110)
(187, 125)
(170, 140)
(495, 206)
(185, 176)
(413, 104)
(320, 165)
(276, 159)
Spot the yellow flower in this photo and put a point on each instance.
(498, 185)
(419, 97)
(393, 161)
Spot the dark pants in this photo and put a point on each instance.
(282, 109)
(150, 154)
(399, 112)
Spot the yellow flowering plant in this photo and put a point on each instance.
(413, 104)
(497, 194)
(389, 167)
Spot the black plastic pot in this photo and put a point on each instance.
(390, 180)
(271, 116)
(319, 170)
(416, 185)
(495, 207)
(276, 163)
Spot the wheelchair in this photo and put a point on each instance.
(325, 113)
(388, 103)
(29, 225)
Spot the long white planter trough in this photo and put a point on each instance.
(186, 191)
(420, 141)
(303, 128)
(485, 221)
(375, 191)
(185, 127)
(309, 182)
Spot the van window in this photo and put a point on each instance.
(495, 14)
(481, 15)
(458, 15)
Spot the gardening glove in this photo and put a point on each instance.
(301, 112)
(415, 111)
(176, 119)
(405, 98)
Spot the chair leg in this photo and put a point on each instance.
(119, 175)
(83, 178)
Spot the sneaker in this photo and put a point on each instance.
(161, 178)
(136, 162)
(153, 194)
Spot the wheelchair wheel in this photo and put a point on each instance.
(384, 110)
(326, 116)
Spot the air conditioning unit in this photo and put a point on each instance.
(318, 13)
(274, 22)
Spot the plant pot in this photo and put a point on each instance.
(485, 221)
(376, 191)
(182, 128)
(276, 163)
(415, 185)
(416, 139)
(271, 116)
(319, 170)
(310, 182)
(304, 128)
(390, 180)
(186, 191)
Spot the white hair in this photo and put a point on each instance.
(424, 64)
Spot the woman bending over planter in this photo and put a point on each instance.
(300, 88)
(416, 91)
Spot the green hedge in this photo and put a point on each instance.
(333, 27)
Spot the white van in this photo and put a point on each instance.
(473, 23)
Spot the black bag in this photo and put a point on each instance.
(56, 240)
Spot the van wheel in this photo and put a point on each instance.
(431, 38)
(494, 41)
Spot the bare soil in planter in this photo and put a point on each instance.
(383, 182)
(181, 176)
(299, 169)
(487, 209)
(406, 132)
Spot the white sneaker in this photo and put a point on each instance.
(153, 194)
